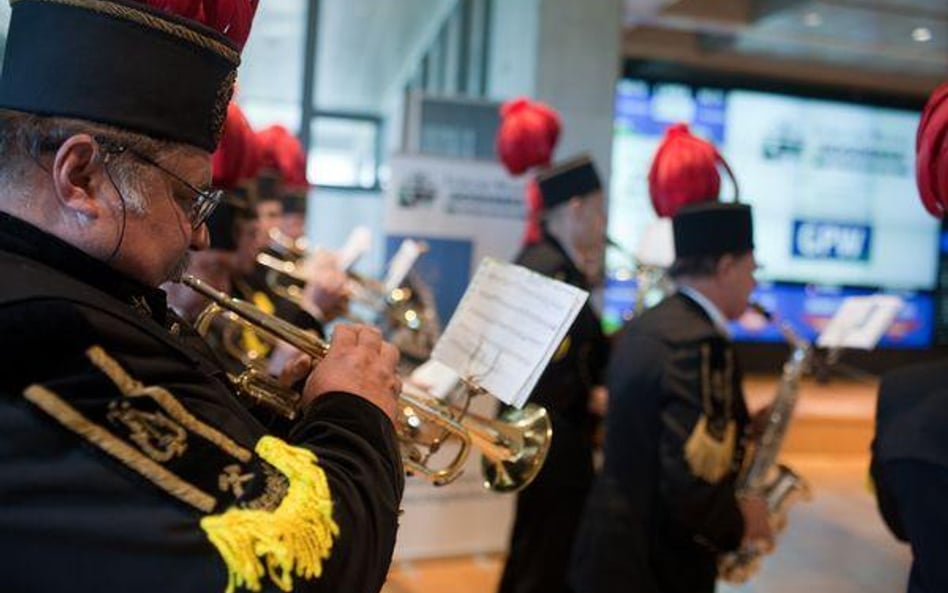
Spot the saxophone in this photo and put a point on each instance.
(762, 476)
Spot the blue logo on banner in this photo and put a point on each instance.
(814, 239)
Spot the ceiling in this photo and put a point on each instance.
(885, 42)
(367, 47)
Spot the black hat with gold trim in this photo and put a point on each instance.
(576, 177)
(166, 71)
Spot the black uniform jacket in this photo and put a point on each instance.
(122, 446)
(910, 468)
(651, 525)
(548, 510)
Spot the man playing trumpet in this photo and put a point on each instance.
(127, 463)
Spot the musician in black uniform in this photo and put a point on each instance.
(548, 509)
(127, 464)
(283, 188)
(664, 506)
(910, 450)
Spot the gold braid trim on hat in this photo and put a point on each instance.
(155, 22)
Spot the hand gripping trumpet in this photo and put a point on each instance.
(762, 476)
(513, 450)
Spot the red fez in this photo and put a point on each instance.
(684, 171)
(229, 17)
(527, 135)
(281, 152)
(237, 158)
(526, 138)
(931, 146)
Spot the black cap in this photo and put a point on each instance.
(222, 224)
(119, 63)
(294, 203)
(713, 228)
(268, 187)
(576, 177)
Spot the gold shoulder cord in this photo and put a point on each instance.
(709, 458)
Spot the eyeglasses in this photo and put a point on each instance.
(205, 200)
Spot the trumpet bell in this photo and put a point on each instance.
(531, 426)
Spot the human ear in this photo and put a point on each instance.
(725, 265)
(75, 170)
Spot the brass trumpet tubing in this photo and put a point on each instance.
(513, 454)
(267, 391)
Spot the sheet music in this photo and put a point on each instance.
(402, 262)
(357, 244)
(861, 321)
(435, 378)
(507, 327)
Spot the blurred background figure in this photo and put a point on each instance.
(910, 450)
(548, 510)
(316, 292)
(665, 504)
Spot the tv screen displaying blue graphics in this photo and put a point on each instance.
(832, 186)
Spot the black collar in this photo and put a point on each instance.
(24, 239)
(574, 275)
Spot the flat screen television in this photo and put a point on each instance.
(832, 186)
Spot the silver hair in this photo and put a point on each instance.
(26, 139)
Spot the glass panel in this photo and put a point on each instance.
(344, 152)
(269, 84)
(368, 49)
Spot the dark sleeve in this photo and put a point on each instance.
(155, 537)
(919, 488)
(709, 511)
(356, 446)
(885, 498)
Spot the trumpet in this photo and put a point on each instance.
(513, 449)
(288, 246)
(397, 303)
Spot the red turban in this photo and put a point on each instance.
(931, 147)
(283, 154)
(237, 158)
(228, 17)
(684, 171)
(526, 138)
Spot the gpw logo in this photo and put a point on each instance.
(831, 240)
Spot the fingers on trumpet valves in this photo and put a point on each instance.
(358, 362)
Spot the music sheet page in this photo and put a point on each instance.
(507, 327)
(861, 321)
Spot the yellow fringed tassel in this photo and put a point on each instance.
(709, 458)
(294, 538)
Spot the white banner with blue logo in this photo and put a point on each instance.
(464, 211)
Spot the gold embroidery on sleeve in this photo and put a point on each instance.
(133, 388)
(69, 417)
